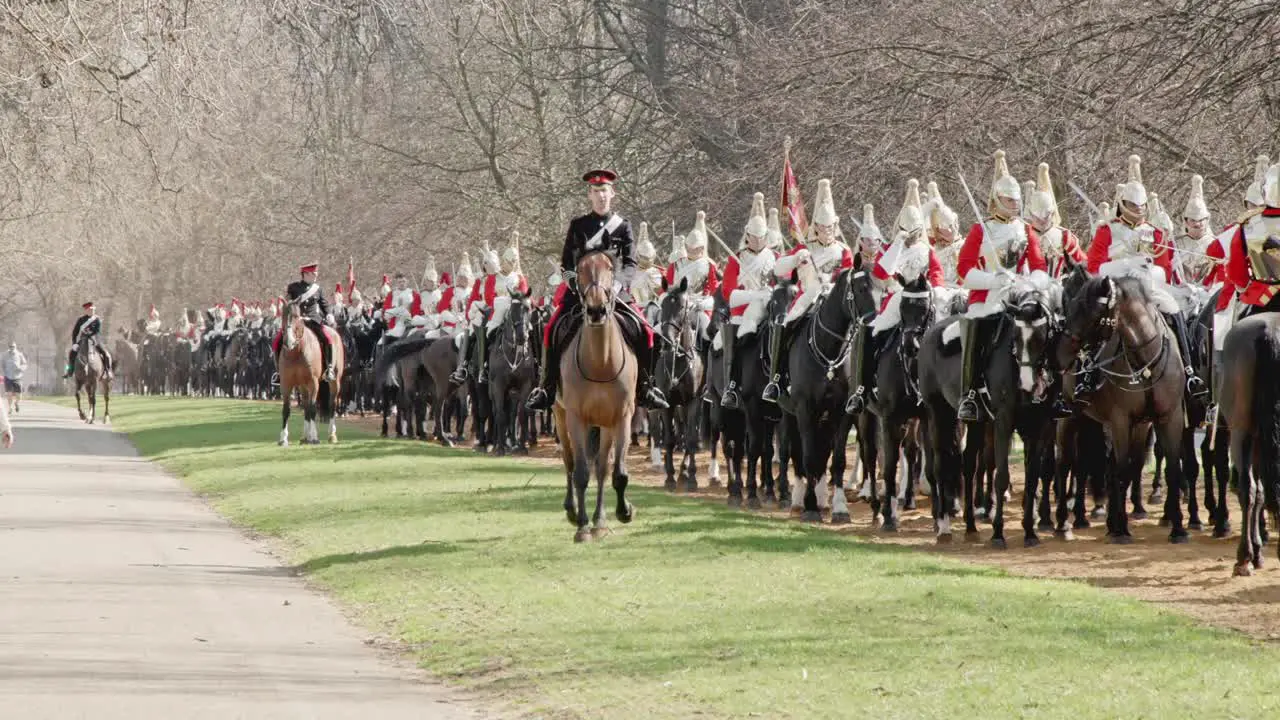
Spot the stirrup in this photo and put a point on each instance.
(459, 376)
(729, 398)
(855, 404)
(771, 392)
(653, 399)
(539, 399)
(1195, 385)
(328, 374)
(968, 409)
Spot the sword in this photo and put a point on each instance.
(986, 232)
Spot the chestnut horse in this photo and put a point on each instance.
(596, 400)
(300, 366)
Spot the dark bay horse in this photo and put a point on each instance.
(300, 366)
(1143, 384)
(678, 375)
(596, 400)
(90, 374)
(512, 375)
(729, 424)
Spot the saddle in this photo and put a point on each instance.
(567, 324)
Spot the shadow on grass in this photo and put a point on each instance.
(425, 548)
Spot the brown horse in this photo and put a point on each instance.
(596, 400)
(1250, 403)
(300, 366)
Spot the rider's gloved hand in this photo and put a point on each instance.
(328, 320)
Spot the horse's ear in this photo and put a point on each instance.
(857, 261)
(665, 286)
(684, 284)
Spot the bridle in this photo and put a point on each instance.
(1140, 375)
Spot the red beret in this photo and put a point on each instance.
(87, 305)
(313, 267)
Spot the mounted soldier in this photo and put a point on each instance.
(314, 311)
(606, 231)
(698, 269)
(512, 281)
(1252, 264)
(1060, 246)
(646, 286)
(454, 299)
(400, 308)
(909, 257)
(996, 250)
(1196, 236)
(429, 297)
(943, 227)
(1130, 246)
(236, 318)
(153, 325)
(746, 288)
(88, 325)
(816, 263)
(480, 304)
(1217, 248)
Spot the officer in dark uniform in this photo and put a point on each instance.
(600, 229)
(314, 311)
(89, 324)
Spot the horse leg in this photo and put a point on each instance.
(106, 405)
(811, 471)
(1160, 477)
(498, 404)
(285, 392)
(669, 447)
(1222, 471)
(1003, 441)
(1170, 437)
(1031, 477)
(891, 448)
(717, 434)
(625, 511)
(581, 474)
(602, 464)
(688, 466)
(1249, 550)
(79, 408)
(1148, 446)
(839, 463)
(1190, 473)
(1123, 462)
(941, 492)
(735, 486)
(971, 481)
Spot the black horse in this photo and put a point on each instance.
(512, 375)
(679, 377)
(818, 363)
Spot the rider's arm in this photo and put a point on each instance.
(1164, 255)
(713, 279)
(731, 280)
(936, 276)
(969, 263)
(566, 255)
(322, 303)
(1071, 247)
(1238, 261)
(1099, 249)
(626, 246)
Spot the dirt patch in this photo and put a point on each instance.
(1193, 579)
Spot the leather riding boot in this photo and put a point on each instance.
(326, 357)
(108, 369)
(482, 355)
(647, 396)
(729, 398)
(773, 390)
(459, 375)
(544, 396)
(71, 364)
(969, 410)
(857, 402)
(1195, 385)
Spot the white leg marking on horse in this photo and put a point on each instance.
(797, 492)
(824, 492)
(333, 429)
(715, 469)
(655, 456)
(865, 492)
(1025, 376)
(944, 525)
(284, 437)
(902, 476)
(839, 505)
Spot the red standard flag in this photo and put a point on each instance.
(351, 275)
(792, 203)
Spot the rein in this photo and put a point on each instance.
(829, 362)
(1140, 376)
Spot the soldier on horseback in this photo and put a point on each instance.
(603, 230)
(1060, 246)
(153, 324)
(646, 286)
(746, 288)
(943, 227)
(909, 257)
(996, 249)
(816, 262)
(88, 325)
(314, 311)
(1253, 261)
(453, 299)
(1130, 246)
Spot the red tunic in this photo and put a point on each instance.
(1070, 249)
(971, 258)
(1100, 251)
(732, 282)
(485, 291)
(1239, 275)
(935, 275)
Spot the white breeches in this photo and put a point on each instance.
(749, 321)
(891, 316)
(801, 305)
(500, 307)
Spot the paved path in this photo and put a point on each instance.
(123, 596)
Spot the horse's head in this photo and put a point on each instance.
(916, 309)
(595, 286)
(861, 294)
(520, 317)
(676, 316)
(291, 321)
(1036, 311)
(1091, 311)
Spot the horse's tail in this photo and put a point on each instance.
(325, 405)
(394, 353)
(1266, 412)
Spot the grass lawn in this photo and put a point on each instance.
(692, 611)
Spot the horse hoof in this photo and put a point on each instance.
(1064, 535)
(1163, 522)
(944, 539)
(1243, 569)
(735, 501)
(1155, 498)
(713, 482)
(1258, 563)
(691, 486)
(1195, 525)
(840, 519)
(628, 515)
(1138, 515)
(980, 513)
(910, 504)
(106, 419)
(1031, 542)
(600, 533)
(1083, 524)
(770, 498)
(446, 442)
(889, 526)
(1179, 538)
(582, 536)
(998, 543)
(1119, 539)
(333, 439)
(811, 516)
(1222, 532)
(283, 443)
(972, 536)
(482, 449)
(669, 485)
(1044, 526)
(1098, 513)
(753, 503)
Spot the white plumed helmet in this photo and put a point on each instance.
(824, 208)
(757, 223)
(1196, 208)
(697, 237)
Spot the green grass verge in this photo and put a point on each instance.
(694, 610)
